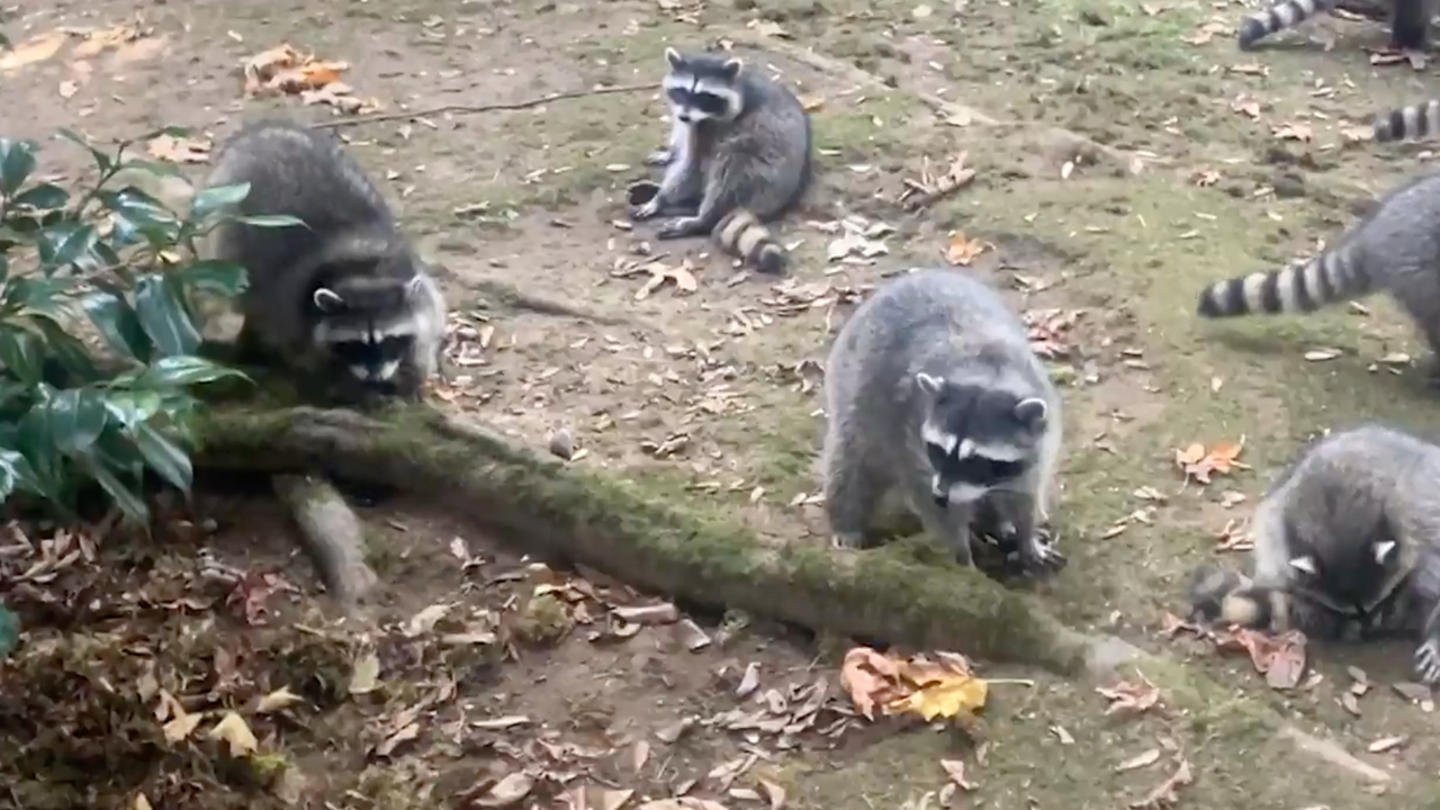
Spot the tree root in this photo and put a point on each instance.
(616, 527)
(508, 295)
(330, 534)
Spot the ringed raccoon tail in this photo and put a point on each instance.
(742, 234)
(1413, 121)
(1284, 14)
(1302, 286)
(1221, 596)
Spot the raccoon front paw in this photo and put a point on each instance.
(646, 211)
(680, 227)
(853, 541)
(660, 157)
(1041, 557)
(1427, 661)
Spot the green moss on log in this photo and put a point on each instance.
(617, 526)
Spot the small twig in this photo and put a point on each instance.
(479, 108)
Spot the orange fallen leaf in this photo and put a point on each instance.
(1198, 463)
(1166, 793)
(962, 251)
(1281, 659)
(179, 150)
(869, 677)
(35, 49)
(1130, 697)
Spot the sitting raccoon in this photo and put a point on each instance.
(1347, 547)
(344, 295)
(738, 155)
(1409, 21)
(933, 393)
(1396, 248)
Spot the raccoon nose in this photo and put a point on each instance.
(941, 496)
(684, 117)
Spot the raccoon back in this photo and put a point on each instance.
(764, 156)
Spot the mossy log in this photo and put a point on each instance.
(604, 521)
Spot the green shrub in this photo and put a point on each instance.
(103, 410)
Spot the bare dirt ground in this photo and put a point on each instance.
(710, 395)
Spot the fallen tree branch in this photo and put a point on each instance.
(512, 297)
(615, 526)
(469, 109)
(331, 535)
(949, 109)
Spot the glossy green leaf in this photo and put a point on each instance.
(216, 199)
(43, 197)
(45, 295)
(164, 317)
(166, 458)
(77, 416)
(16, 474)
(157, 167)
(118, 324)
(182, 370)
(133, 407)
(68, 351)
(69, 243)
(213, 276)
(4, 268)
(22, 354)
(271, 221)
(17, 163)
(130, 504)
(9, 622)
(103, 162)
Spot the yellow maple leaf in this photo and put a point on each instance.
(951, 695)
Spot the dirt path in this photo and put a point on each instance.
(710, 395)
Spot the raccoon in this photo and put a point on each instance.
(1346, 547)
(1409, 21)
(1409, 122)
(738, 155)
(1395, 248)
(932, 393)
(346, 292)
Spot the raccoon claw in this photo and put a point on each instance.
(1427, 661)
(847, 540)
(646, 211)
(680, 227)
(660, 157)
(1041, 557)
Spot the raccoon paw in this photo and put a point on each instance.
(1427, 661)
(1041, 558)
(660, 157)
(848, 540)
(681, 227)
(646, 211)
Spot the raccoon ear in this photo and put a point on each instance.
(328, 301)
(1306, 564)
(733, 67)
(1383, 550)
(1032, 411)
(928, 383)
(674, 58)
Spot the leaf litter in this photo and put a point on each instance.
(285, 71)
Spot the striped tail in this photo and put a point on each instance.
(742, 234)
(1414, 121)
(1284, 14)
(1301, 287)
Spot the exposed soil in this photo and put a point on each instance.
(711, 395)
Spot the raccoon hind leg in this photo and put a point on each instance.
(1410, 24)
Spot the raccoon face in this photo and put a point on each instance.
(701, 88)
(976, 438)
(367, 324)
(1350, 586)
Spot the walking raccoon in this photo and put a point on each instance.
(738, 155)
(1346, 546)
(345, 292)
(1409, 21)
(1395, 248)
(933, 393)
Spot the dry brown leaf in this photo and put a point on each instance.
(610, 799)
(1166, 793)
(387, 746)
(233, 730)
(1198, 463)
(35, 49)
(1293, 132)
(812, 102)
(774, 794)
(182, 725)
(1142, 760)
(1246, 106)
(1384, 744)
(275, 701)
(179, 150)
(366, 676)
(870, 679)
(1281, 659)
(141, 803)
(962, 250)
(955, 769)
(1130, 697)
(507, 791)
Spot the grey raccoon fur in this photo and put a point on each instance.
(932, 393)
(1346, 546)
(1395, 248)
(1409, 21)
(738, 156)
(1407, 123)
(345, 293)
